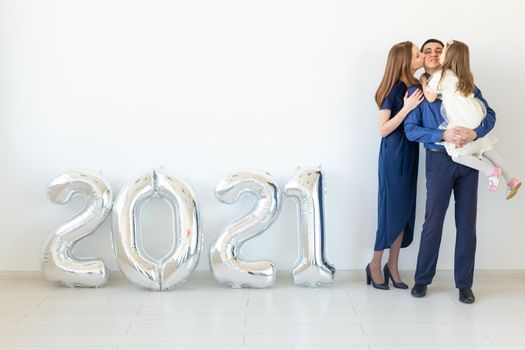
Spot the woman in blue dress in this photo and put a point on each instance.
(398, 164)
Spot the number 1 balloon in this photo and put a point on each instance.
(307, 188)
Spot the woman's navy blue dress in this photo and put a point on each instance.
(398, 165)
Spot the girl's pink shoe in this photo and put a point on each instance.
(494, 179)
(512, 187)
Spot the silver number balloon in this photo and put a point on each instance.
(225, 257)
(131, 258)
(58, 262)
(306, 187)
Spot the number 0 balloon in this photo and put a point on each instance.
(132, 260)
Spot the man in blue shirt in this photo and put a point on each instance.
(444, 176)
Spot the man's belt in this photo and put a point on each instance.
(439, 150)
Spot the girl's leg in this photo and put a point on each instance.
(393, 258)
(375, 267)
(493, 172)
(498, 161)
(513, 184)
(474, 163)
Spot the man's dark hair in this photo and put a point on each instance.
(432, 41)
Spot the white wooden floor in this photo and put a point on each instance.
(200, 314)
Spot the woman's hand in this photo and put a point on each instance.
(412, 101)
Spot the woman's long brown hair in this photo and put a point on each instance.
(397, 68)
(457, 59)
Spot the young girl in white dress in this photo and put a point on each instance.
(455, 84)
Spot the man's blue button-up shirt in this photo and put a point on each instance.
(423, 122)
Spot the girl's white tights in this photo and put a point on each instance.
(478, 164)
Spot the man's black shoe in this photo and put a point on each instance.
(466, 296)
(419, 290)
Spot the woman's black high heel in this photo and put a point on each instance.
(388, 275)
(370, 280)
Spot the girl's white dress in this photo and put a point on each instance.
(458, 110)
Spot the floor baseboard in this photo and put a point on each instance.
(340, 276)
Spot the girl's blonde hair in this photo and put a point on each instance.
(397, 69)
(457, 59)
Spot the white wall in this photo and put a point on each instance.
(205, 87)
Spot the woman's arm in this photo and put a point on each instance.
(387, 124)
